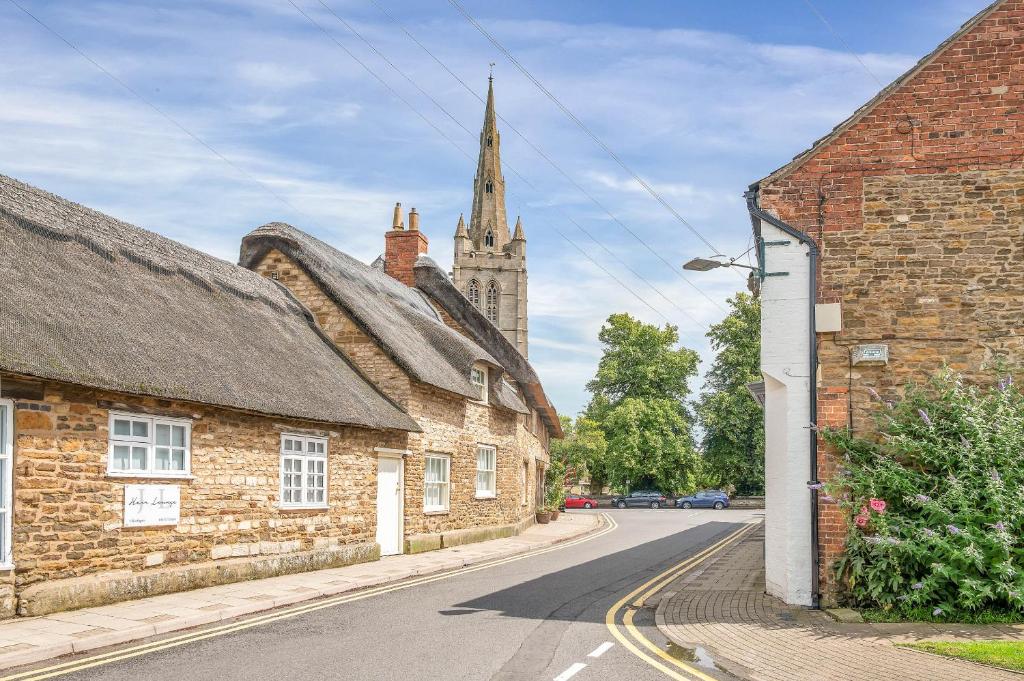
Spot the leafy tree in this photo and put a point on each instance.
(649, 442)
(641, 360)
(732, 421)
(639, 403)
(580, 452)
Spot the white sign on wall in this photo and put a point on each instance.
(151, 505)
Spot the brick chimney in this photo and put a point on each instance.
(402, 246)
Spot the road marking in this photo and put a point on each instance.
(660, 581)
(601, 649)
(183, 639)
(572, 671)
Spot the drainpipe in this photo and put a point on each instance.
(756, 215)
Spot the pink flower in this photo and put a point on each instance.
(864, 510)
(878, 505)
(861, 520)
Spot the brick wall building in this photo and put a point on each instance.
(913, 211)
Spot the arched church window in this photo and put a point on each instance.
(492, 302)
(473, 293)
(489, 239)
(489, 187)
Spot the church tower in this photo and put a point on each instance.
(490, 263)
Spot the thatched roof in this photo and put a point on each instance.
(398, 318)
(91, 300)
(433, 281)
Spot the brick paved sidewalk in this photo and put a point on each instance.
(33, 639)
(722, 608)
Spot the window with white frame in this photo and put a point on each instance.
(437, 469)
(486, 477)
(478, 377)
(6, 485)
(149, 446)
(303, 471)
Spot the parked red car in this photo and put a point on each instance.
(577, 501)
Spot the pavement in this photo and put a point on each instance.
(32, 639)
(543, 613)
(721, 614)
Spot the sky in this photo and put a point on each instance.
(204, 120)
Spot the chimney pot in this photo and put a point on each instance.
(414, 220)
(397, 223)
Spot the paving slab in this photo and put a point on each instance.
(722, 608)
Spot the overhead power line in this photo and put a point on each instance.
(842, 40)
(582, 126)
(515, 172)
(409, 105)
(540, 152)
(166, 116)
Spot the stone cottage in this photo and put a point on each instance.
(893, 246)
(168, 420)
(475, 469)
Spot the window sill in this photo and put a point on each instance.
(436, 511)
(151, 476)
(4, 567)
(304, 508)
(486, 496)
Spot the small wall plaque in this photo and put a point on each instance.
(877, 353)
(146, 505)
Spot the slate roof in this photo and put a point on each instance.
(433, 281)
(91, 300)
(398, 318)
(857, 115)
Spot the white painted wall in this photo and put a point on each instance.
(785, 330)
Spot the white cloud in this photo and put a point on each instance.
(274, 76)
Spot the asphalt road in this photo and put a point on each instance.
(536, 618)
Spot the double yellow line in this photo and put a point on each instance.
(184, 639)
(635, 599)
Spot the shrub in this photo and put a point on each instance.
(936, 500)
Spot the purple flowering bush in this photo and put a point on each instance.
(948, 463)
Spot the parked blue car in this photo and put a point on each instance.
(709, 498)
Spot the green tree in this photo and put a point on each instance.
(732, 421)
(649, 442)
(639, 403)
(580, 452)
(641, 360)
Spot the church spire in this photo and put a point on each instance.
(488, 226)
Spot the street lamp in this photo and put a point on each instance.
(706, 264)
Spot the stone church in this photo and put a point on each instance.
(490, 262)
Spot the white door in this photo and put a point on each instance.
(389, 505)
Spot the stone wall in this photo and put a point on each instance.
(452, 425)
(918, 210)
(68, 512)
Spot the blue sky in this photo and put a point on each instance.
(700, 98)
